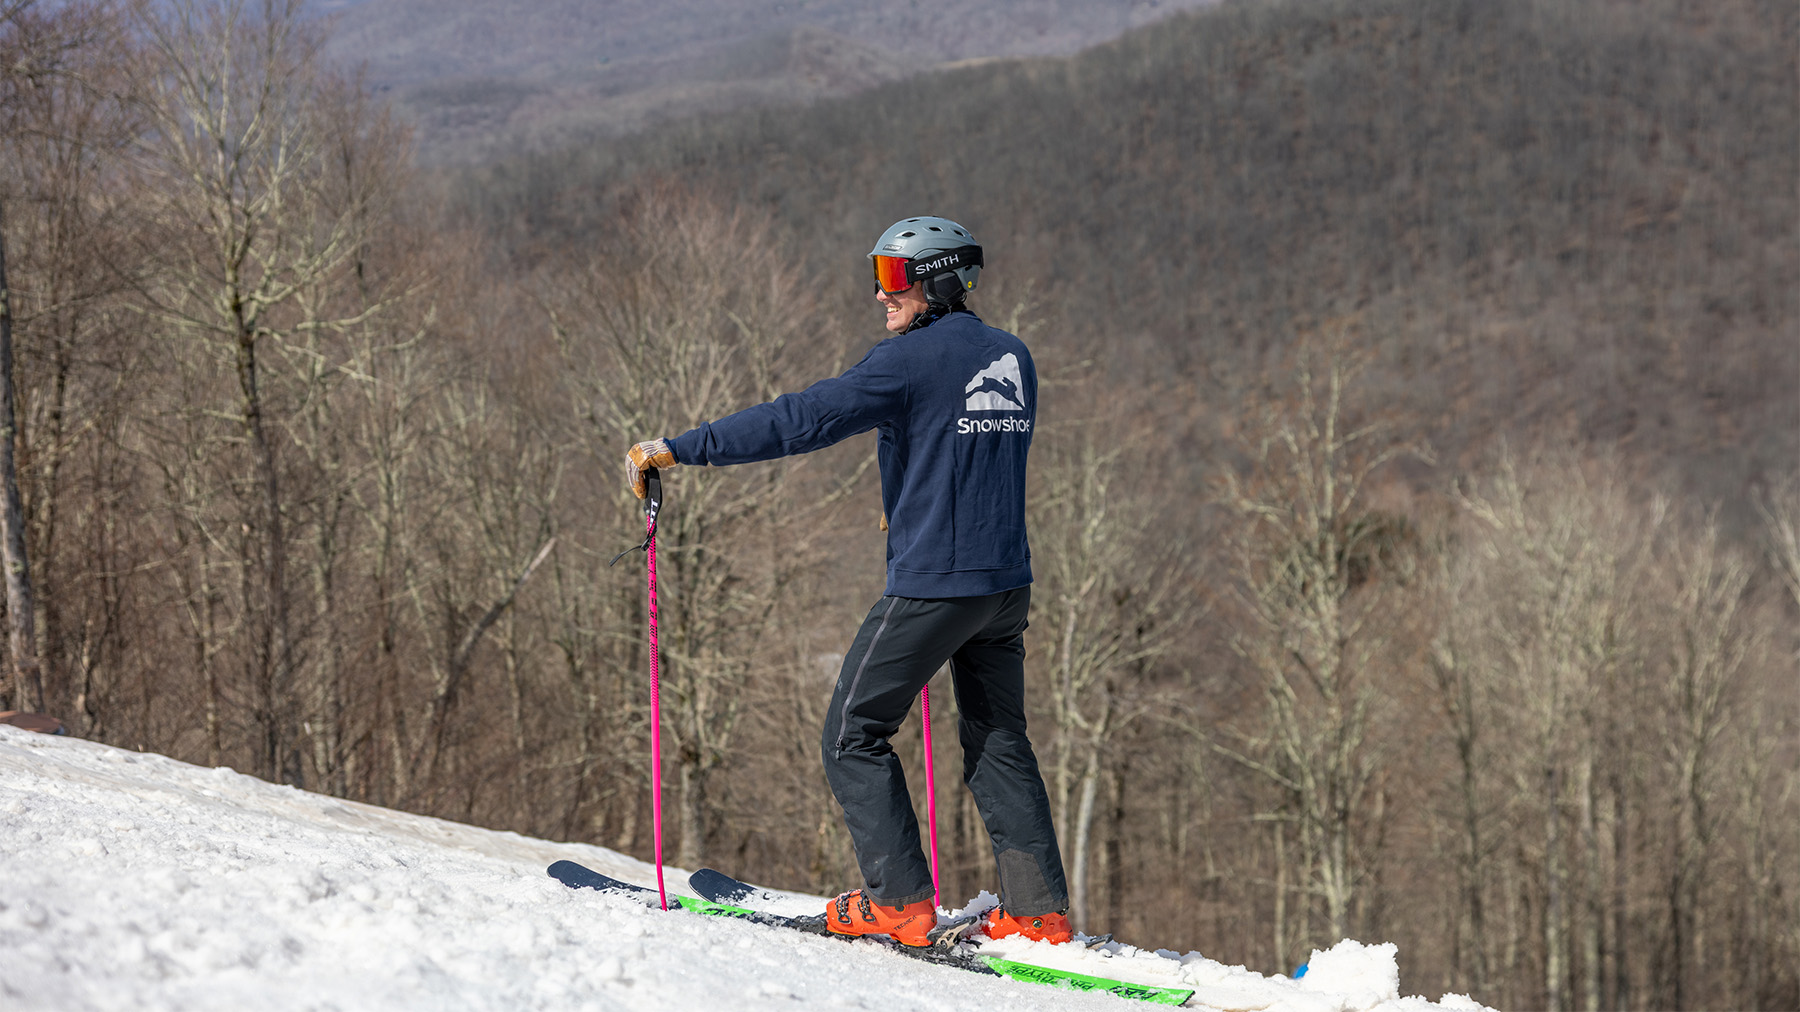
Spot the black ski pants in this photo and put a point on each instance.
(901, 644)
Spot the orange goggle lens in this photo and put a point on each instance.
(890, 274)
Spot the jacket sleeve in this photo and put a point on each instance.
(871, 392)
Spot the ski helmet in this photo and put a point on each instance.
(936, 251)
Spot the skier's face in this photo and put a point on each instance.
(902, 307)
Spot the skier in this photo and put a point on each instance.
(953, 401)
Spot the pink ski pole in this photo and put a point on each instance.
(656, 815)
(653, 503)
(930, 796)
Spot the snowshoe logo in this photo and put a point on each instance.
(996, 388)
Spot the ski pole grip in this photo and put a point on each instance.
(652, 502)
(652, 505)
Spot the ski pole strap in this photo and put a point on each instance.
(652, 505)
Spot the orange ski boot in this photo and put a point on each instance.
(854, 913)
(1052, 927)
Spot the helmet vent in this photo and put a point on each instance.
(934, 228)
(908, 235)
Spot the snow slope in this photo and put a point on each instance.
(136, 882)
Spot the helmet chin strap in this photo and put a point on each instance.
(935, 311)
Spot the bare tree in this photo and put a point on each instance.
(398, 376)
(21, 610)
(676, 330)
(252, 217)
(1562, 546)
(27, 680)
(1315, 567)
(1708, 648)
(27, 677)
(1464, 693)
(68, 124)
(341, 342)
(502, 476)
(63, 102)
(1114, 589)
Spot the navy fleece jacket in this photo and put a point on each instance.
(954, 404)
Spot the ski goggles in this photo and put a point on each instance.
(894, 275)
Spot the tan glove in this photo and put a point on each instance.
(655, 453)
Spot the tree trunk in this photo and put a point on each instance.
(1474, 882)
(1084, 821)
(1755, 862)
(1621, 975)
(1279, 921)
(21, 610)
(205, 646)
(51, 665)
(1115, 851)
(325, 723)
(1334, 860)
(692, 815)
(1555, 905)
(1593, 895)
(271, 651)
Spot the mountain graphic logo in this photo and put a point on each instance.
(997, 388)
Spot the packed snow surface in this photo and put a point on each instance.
(134, 881)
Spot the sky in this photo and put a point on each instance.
(132, 881)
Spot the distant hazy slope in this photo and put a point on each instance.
(478, 74)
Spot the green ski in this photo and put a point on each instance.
(723, 888)
(1082, 982)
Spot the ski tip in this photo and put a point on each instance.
(573, 875)
(719, 887)
(577, 876)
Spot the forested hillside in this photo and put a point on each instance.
(1415, 520)
(1539, 214)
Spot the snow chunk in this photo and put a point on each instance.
(1362, 975)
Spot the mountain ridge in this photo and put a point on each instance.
(480, 78)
